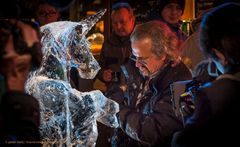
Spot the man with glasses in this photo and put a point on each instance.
(152, 121)
(47, 13)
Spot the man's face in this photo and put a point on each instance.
(122, 22)
(147, 62)
(47, 14)
(172, 13)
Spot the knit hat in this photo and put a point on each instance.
(163, 3)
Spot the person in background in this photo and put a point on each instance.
(151, 121)
(190, 49)
(47, 13)
(20, 52)
(115, 63)
(203, 69)
(116, 49)
(170, 11)
(215, 122)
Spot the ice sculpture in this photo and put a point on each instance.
(68, 116)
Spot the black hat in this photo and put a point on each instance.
(61, 5)
(163, 3)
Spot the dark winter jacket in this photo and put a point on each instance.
(152, 121)
(215, 120)
(131, 78)
(115, 52)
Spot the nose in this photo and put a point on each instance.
(137, 63)
(118, 26)
(174, 11)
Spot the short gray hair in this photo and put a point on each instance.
(163, 39)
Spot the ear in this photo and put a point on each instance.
(221, 57)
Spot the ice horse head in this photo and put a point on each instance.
(68, 116)
(66, 42)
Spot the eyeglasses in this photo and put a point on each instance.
(141, 60)
(49, 14)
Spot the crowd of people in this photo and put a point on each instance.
(139, 62)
